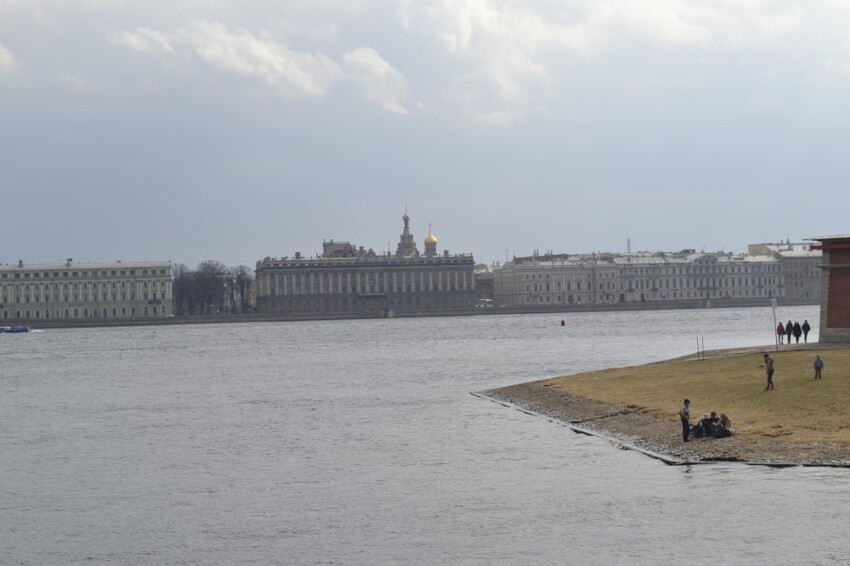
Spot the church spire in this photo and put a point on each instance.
(406, 244)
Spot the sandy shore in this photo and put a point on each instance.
(658, 437)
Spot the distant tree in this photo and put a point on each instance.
(210, 279)
(241, 284)
(182, 289)
(211, 288)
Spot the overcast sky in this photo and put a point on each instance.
(238, 129)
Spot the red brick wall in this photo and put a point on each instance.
(839, 290)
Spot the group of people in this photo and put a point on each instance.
(709, 426)
(794, 329)
(712, 426)
(768, 369)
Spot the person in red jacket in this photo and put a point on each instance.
(780, 331)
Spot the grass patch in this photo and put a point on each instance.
(798, 410)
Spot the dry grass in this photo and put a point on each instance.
(799, 410)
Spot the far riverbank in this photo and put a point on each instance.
(560, 310)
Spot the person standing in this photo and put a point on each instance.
(818, 366)
(768, 370)
(780, 331)
(798, 331)
(789, 330)
(685, 416)
(806, 328)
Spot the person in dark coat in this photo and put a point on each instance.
(768, 370)
(709, 424)
(789, 330)
(724, 427)
(685, 416)
(806, 328)
(698, 430)
(798, 331)
(780, 331)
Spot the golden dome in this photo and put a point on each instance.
(430, 239)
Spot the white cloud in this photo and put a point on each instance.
(497, 59)
(479, 26)
(241, 52)
(506, 47)
(8, 63)
(486, 100)
(70, 79)
(295, 73)
(381, 82)
(513, 49)
(706, 23)
(141, 39)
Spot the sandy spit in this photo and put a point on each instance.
(660, 438)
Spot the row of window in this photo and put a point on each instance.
(331, 278)
(584, 275)
(300, 284)
(75, 298)
(84, 286)
(651, 271)
(95, 273)
(37, 314)
(407, 288)
(333, 304)
(710, 270)
(646, 284)
(609, 297)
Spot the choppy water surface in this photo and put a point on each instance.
(357, 442)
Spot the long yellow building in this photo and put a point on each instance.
(85, 290)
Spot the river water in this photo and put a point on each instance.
(358, 442)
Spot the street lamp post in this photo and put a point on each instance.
(775, 336)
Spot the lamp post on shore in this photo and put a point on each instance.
(775, 337)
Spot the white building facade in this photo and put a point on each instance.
(557, 282)
(801, 265)
(648, 277)
(85, 290)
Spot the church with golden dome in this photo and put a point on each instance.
(350, 281)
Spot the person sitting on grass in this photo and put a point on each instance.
(724, 427)
(711, 424)
(699, 429)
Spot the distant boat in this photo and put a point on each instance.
(14, 329)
